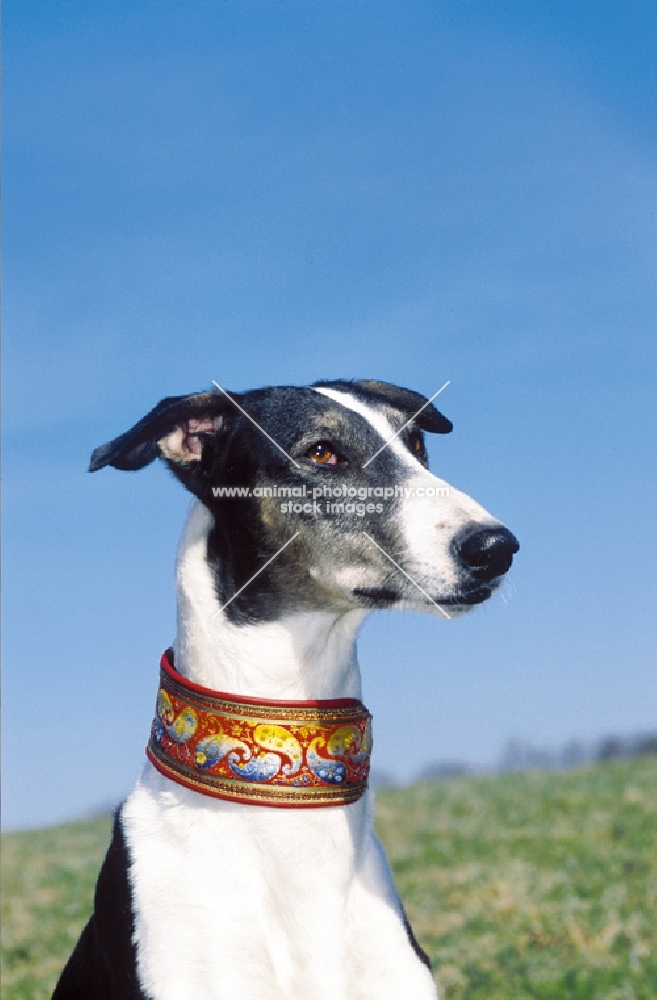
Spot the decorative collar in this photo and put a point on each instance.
(275, 753)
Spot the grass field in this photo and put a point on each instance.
(530, 886)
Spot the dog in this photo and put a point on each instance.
(252, 870)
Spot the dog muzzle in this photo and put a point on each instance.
(298, 754)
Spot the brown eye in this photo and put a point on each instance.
(415, 443)
(322, 453)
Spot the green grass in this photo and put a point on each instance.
(48, 879)
(531, 886)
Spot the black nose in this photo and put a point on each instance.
(487, 552)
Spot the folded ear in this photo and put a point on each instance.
(430, 419)
(174, 430)
(409, 402)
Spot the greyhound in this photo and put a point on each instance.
(244, 862)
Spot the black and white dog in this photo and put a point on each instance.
(204, 898)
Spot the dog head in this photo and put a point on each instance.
(322, 494)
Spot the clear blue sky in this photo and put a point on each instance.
(275, 191)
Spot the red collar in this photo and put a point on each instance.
(274, 753)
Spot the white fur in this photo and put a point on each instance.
(305, 656)
(233, 900)
(427, 526)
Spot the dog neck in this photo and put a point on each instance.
(310, 655)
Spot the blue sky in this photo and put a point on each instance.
(275, 191)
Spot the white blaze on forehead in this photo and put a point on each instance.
(376, 420)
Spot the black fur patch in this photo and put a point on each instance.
(377, 595)
(103, 964)
(416, 946)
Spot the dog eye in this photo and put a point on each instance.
(416, 442)
(322, 453)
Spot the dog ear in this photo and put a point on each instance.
(173, 430)
(409, 402)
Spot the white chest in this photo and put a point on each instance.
(263, 903)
